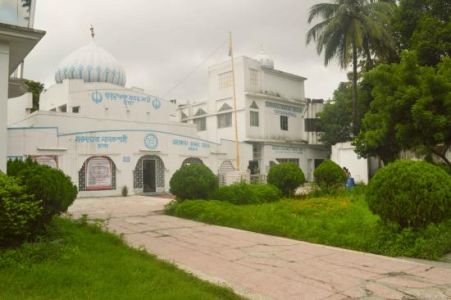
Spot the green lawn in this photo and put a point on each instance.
(80, 261)
(342, 221)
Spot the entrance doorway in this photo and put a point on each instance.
(149, 178)
(148, 175)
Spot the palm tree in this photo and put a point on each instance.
(349, 29)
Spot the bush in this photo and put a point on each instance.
(410, 193)
(52, 186)
(329, 176)
(15, 166)
(193, 181)
(287, 177)
(19, 212)
(243, 193)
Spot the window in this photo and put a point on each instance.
(201, 123)
(254, 118)
(288, 160)
(225, 80)
(225, 120)
(253, 75)
(284, 122)
(63, 108)
(76, 109)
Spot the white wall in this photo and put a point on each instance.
(4, 78)
(343, 154)
(19, 108)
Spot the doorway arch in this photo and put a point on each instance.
(148, 175)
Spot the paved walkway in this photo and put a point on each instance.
(261, 266)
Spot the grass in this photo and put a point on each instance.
(81, 261)
(343, 221)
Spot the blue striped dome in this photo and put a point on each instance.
(92, 64)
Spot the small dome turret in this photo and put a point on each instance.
(264, 59)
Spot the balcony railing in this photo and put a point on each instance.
(17, 12)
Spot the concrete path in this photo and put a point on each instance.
(261, 266)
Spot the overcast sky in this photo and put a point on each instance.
(160, 42)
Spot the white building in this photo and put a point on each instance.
(273, 115)
(16, 41)
(106, 136)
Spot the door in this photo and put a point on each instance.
(149, 181)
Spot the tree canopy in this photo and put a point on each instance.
(411, 110)
(349, 29)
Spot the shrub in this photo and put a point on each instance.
(287, 177)
(329, 176)
(52, 186)
(19, 212)
(16, 165)
(410, 193)
(194, 181)
(243, 193)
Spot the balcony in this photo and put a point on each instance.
(17, 12)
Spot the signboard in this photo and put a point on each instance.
(127, 99)
(284, 109)
(99, 174)
(46, 160)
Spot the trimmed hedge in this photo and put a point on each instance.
(194, 181)
(243, 193)
(19, 212)
(52, 186)
(287, 177)
(329, 176)
(410, 193)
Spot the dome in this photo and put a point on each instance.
(92, 64)
(265, 60)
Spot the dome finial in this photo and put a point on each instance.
(92, 31)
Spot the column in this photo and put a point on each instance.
(4, 77)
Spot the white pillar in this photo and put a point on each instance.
(4, 77)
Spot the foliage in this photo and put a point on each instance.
(410, 110)
(351, 29)
(19, 212)
(410, 193)
(329, 176)
(15, 166)
(343, 221)
(194, 181)
(424, 26)
(98, 265)
(52, 186)
(287, 177)
(336, 117)
(36, 89)
(243, 193)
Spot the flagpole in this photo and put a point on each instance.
(237, 144)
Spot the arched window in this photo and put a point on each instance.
(97, 173)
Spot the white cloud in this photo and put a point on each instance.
(159, 42)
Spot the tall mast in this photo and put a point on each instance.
(237, 144)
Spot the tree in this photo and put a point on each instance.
(411, 110)
(36, 89)
(423, 26)
(349, 29)
(336, 117)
